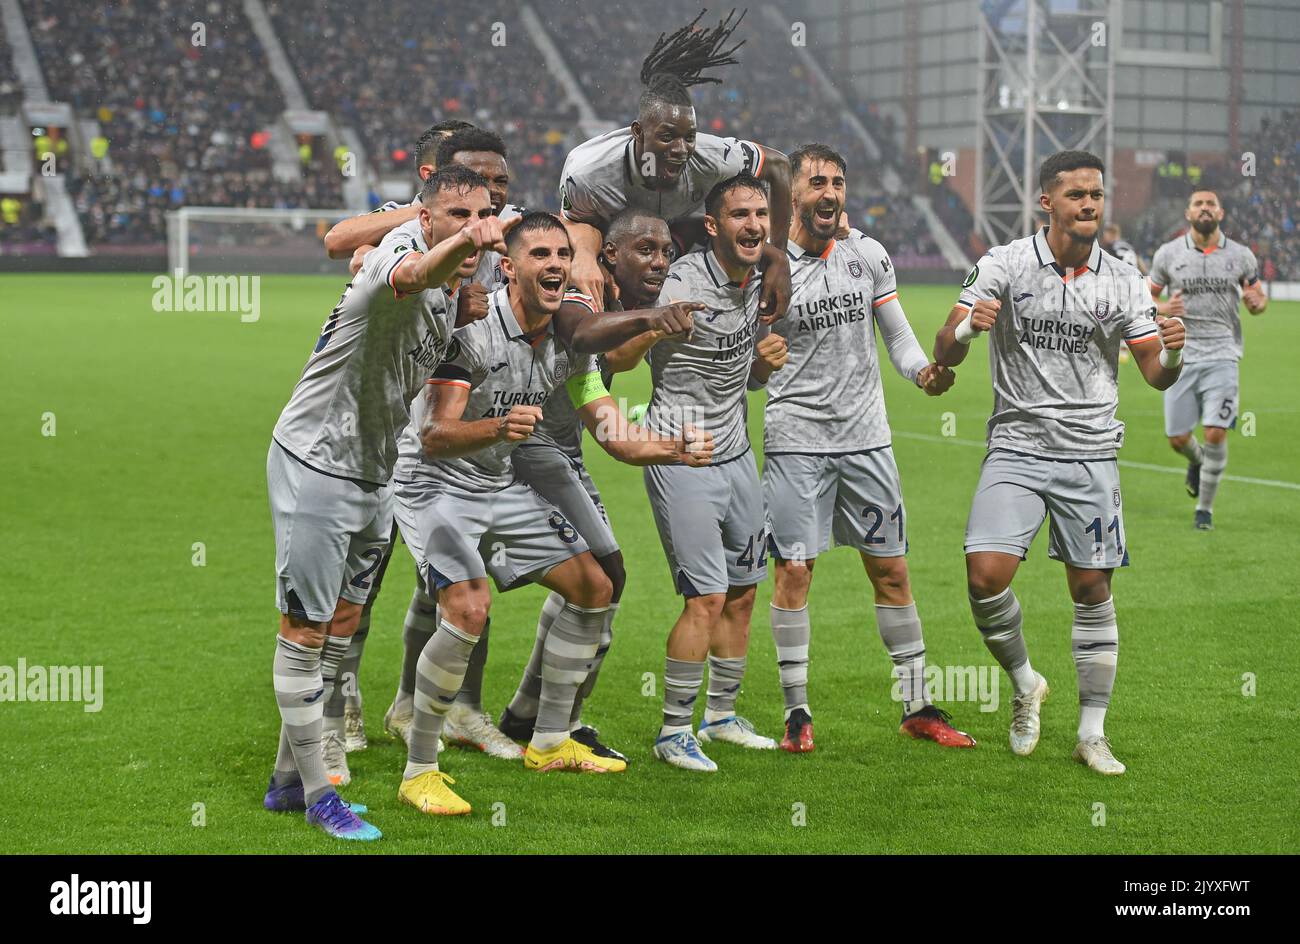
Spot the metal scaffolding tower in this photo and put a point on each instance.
(1046, 79)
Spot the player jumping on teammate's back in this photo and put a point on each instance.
(638, 251)
(1202, 270)
(474, 517)
(828, 467)
(1056, 308)
(711, 521)
(660, 163)
(332, 457)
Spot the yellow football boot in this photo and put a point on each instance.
(430, 793)
(570, 755)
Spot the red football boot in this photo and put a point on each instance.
(798, 733)
(931, 724)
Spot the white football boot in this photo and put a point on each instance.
(335, 756)
(465, 726)
(1095, 752)
(398, 725)
(683, 750)
(735, 730)
(354, 727)
(1024, 717)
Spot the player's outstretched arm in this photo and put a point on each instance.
(637, 445)
(1162, 362)
(953, 340)
(776, 264)
(347, 236)
(579, 328)
(445, 435)
(420, 271)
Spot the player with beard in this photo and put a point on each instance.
(1056, 309)
(475, 517)
(828, 466)
(663, 165)
(638, 251)
(1203, 269)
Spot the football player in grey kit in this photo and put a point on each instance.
(1056, 309)
(828, 468)
(661, 164)
(475, 517)
(1202, 271)
(711, 521)
(332, 457)
(638, 251)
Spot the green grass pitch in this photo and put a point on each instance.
(161, 427)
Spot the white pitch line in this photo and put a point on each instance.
(1148, 466)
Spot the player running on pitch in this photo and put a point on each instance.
(1202, 270)
(331, 459)
(828, 468)
(475, 517)
(662, 164)
(1056, 308)
(638, 251)
(711, 520)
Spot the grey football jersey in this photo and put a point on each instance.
(502, 368)
(827, 398)
(702, 381)
(1208, 281)
(561, 426)
(601, 178)
(373, 355)
(1054, 349)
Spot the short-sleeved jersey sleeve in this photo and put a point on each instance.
(722, 158)
(578, 202)
(1139, 310)
(575, 297)
(1159, 274)
(881, 269)
(1249, 268)
(986, 281)
(379, 264)
(465, 363)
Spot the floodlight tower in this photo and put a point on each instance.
(1046, 83)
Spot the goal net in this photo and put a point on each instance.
(247, 241)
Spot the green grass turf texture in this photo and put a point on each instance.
(163, 422)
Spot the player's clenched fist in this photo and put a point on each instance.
(935, 379)
(773, 352)
(697, 446)
(519, 424)
(677, 319)
(471, 303)
(985, 314)
(1254, 297)
(1172, 333)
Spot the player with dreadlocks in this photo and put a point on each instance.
(660, 164)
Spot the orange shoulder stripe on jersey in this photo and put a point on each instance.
(827, 251)
(888, 298)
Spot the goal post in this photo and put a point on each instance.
(251, 241)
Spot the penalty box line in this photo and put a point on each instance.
(1126, 463)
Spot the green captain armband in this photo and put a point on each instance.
(585, 388)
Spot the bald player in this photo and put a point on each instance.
(331, 459)
(1056, 309)
(661, 163)
(828, 466)
(1205, 273)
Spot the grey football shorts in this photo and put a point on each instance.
(1017, 492)
(854, 499)
(711, 523)
(514, 534)
(1204, 393)
(330, 536)
(563, 481)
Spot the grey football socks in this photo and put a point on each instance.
(682, 682)
(999, 622)
(792, 632)
(331, 661)
(1094, 641)
(900, 631)
(589, 683)
(725, 676)
(420, 623)
(438, 677)
(1212, 467)
(567, 659)
(299, 690)
(471, 690)
(524, 704)
(1191, 451)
